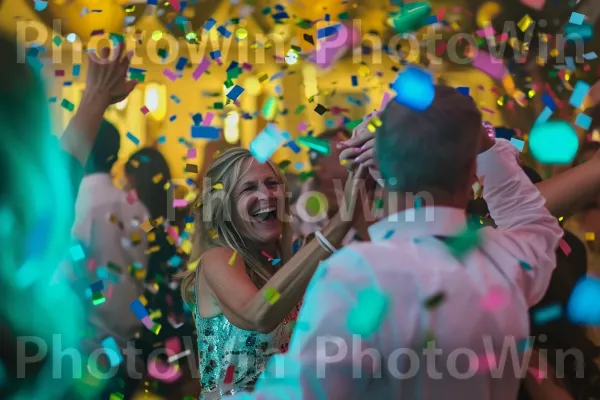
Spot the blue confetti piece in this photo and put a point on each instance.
(328, 31)
(584, 304)
(525, 266)
(575, 32)
(583, 121)
(553, 142)
(102, 272)
(112, 351)
(234, 93)
(131, 137)
(281, 15)
(266, 143)
(278, 75)
(205, 132)
(181, 63)
(215, 54)
(76, 70)
(162, 139)
(576, 18)
(524, 344)
(208, 25)
(549, 101)
(299, 165)
(224, 32)
(138, 309)
(464, 90)
(294, 147)
(389, 234)
(366, 316)
(544, 116)
(547, 314)
(354, 80)
(519, 144)
(432, 19)
(175, 261)
(97, 286)
(197, 118)
(579, 93)
(172, 118)
(414, 88)
(175, 99)
(570, 61)
(590, 56)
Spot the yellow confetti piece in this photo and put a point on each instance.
(135, 163)
(113, 219)
(157, 178)
(344, 162)
(525, 23)
(186, 246)
(143, 300)
(151, 236)
(155, 314)
(171, 240)
(596, 136)
(590, 236)
(218, 186)
(136, 237)
(159, 220)
(167, 185)
(213, 234)
(147, 226)
(153, 249)
(232, 259)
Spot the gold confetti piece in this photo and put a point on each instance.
(167, 185)
(171, 240)
(159, 221)
(186, 246)
(590, 236)
(153, 249)
(135, 163)
(157, 178)
(213, 234)
(113, 219)
(596, 136)
(136, 237)
(143, 300)
(151, 236)
(218, 186)
(232, 259)
(525, 23)
(344, 162)
(147, 226)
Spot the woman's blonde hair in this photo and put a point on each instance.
(214, 227)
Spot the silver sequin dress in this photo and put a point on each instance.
(221, 344)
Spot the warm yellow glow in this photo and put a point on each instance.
(232, 129)
(155, 100)
(309, 73)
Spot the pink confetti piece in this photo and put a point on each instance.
(180, 203)
(92, 265)
(147, 322)
(264, 253)
(201, 68)
(229, 374)
(132, 196)
(503, 37)
(440, 49)
(302, 126)
(564, 246)
(170, 75)
(537, 374)
(493, 67)
(173, 346)
(164, 372)
(145, 110)
(496, 299)
(109, 292)
(487, 110)
(171, 231)
(535, 4)
(208, 119)
(191, 153)
(484, 363)
(176, 5)
(486, 32)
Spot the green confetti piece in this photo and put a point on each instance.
(344, 16)
(116, 38)
(299, 109)
(367, 315)
(114, 267)
(116, 396)
(352, 124)
(316, 144)
(218, 106)
(272, 295)
(304, 23)
(284, 164)
(379, 203)
(57, 41)
(305, 175)
(461, 245)
(433, 302)
(137, 76)
(525, 266)
(67, 105)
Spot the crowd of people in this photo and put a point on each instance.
(402, 257)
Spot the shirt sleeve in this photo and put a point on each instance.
(527, 230)
(318, 364)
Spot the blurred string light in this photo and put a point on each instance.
(241, 34)
(71, 38)
(157, 35)
(232, 130)
(291, 57)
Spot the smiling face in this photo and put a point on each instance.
(258, 203)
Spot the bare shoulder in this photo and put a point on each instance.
(219, 257)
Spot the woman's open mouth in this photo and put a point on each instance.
(265, 214)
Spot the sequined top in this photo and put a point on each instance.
(221, 345)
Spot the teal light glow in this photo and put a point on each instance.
(553, 142)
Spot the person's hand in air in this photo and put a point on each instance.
(360, 149)
(107, 74)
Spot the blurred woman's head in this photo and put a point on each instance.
(243, 206)
(147, 171)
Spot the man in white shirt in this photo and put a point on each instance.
(411, 315)
(108, 225)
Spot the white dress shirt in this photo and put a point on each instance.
(106, 223)
(483, 315)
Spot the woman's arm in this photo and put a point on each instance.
(106, 84)
(567, 193)
(247, 307)
(544, 386)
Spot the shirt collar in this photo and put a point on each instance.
(426, 221)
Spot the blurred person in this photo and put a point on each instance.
(38, 302)
(246, 285)
(434, 155)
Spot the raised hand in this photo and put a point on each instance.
(360, 150)
(107, 75)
